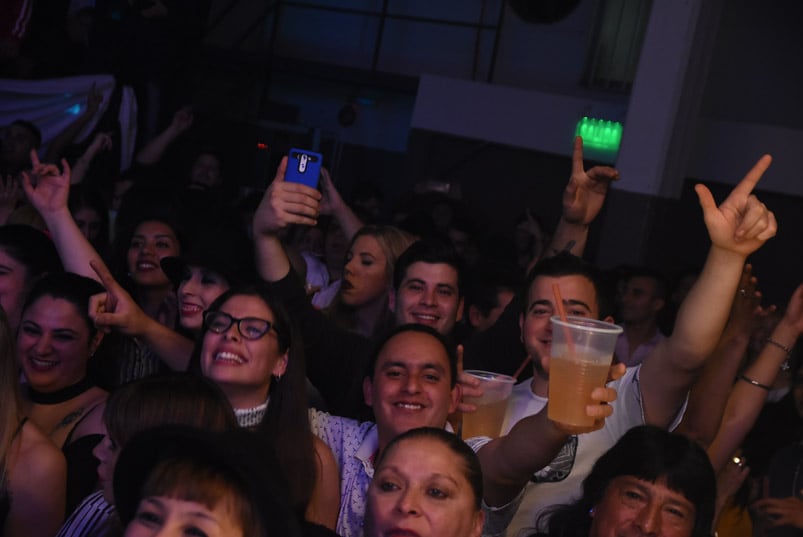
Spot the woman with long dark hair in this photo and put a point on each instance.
(248, 347)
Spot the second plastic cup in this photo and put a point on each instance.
(491, 407)
(582, 350)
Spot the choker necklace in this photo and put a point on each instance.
(59, 396)
(251, 417)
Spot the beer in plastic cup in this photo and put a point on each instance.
(491, 407)
(582, 350)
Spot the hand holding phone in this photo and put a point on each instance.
(303, 166)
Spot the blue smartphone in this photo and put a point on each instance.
(303, 167)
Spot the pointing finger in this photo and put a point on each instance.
(746, 185)
(577, 156)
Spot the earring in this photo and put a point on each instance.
(591, 512)
(277, 378)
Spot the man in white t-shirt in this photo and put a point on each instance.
(653, 393)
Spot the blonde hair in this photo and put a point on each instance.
(10, 399)
(393, 242)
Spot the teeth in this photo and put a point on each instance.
(190, 308)
(409, 406)
(43, 364)
(426, 317)
(229, 357)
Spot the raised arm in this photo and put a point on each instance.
(711, 390)
(116, 310)
(332, 203)
(582, 201)
(749, 393)
(155, 148)
(101, 142)
(737, 228)
(48, 189)
(283, 204)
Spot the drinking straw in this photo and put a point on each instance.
(562, 313)
(521, 367)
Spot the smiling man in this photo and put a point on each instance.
(652, 393)
(427, 286)
(427, 291)
(411, 382)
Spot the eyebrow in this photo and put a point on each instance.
(405, 365)
(436, 475)
(567, 302)
(680, 501)
(424, 282)
(198, 514)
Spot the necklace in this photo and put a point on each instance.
(251, 417)
(59, 396)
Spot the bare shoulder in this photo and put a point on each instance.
(92, 421)
(326, 458)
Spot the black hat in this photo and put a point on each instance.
(246, 457)
(225, 250)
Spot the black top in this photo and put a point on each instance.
(336, 359)
(82, 466)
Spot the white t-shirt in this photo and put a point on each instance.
(560, 482)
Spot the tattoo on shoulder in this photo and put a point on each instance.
(70, 418)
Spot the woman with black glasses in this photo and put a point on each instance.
(247, 347)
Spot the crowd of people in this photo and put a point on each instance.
(180, 359)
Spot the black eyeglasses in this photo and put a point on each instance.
(250, 327)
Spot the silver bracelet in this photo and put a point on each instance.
(778, 344)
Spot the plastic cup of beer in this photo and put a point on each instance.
(582, 351)
(491, 407)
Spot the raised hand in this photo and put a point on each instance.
(331, 200)
(586, 191)
(115, 309)
(746, 311)
(182, 120)
(101, 142)
(286, 203)
(9, 194)
(782, 511)
(46, 187)
(741, 224)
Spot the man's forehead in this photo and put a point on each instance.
(432, 273)
(573, 287)
(413, 349)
